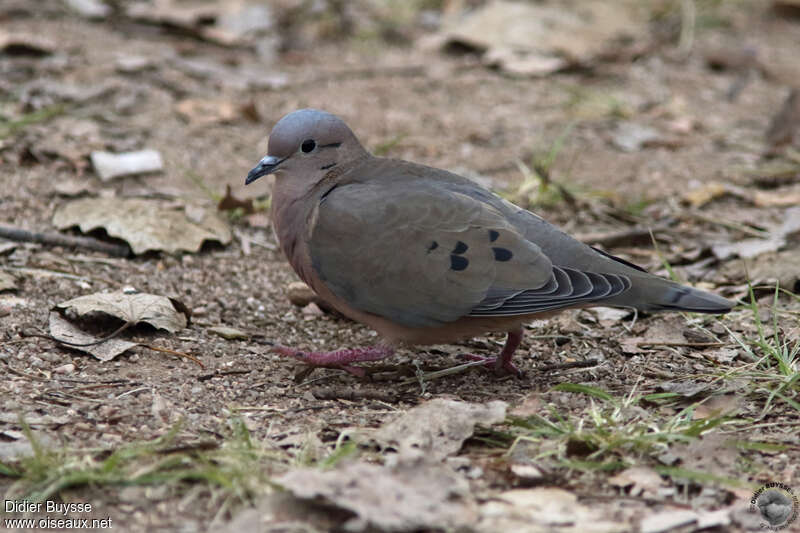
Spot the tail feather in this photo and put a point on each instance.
(653, 294)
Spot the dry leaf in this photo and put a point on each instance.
(203, 112)
(437, 428)
(543, 510)
(776, 198)
(233, 22)
(409, 498)
(7, 282)
(631, 136)
(63, 330)
(708, 192)
(536, 38)
(667, 520)
(20, 44)
(777, 239)
(719, 405)
(143, 224)
(643, 481)
(158, 311)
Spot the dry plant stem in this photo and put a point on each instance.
(684, 344)
(175, 352)
(727, 224)
(566, 366)
(70, 241)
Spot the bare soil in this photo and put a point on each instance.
(407, 101)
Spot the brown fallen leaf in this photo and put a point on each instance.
(75, 338)
(640, 480)
(708, 192)
(777, 239)
(132, 308)
(7, 282)
(718, 405)
(204, 112)
(231, 23)
(425, 496)
(536, 39)
(144, 224)
(543, 510)
(20, 44)
(437, 428)
(776, 198)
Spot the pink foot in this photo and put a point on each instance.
(339, 358)
(502, 364)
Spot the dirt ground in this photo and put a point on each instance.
(70, 85)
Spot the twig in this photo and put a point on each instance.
(23, 374)
(174, 352)
(331, 393)
(430, 376)
(55, 273)
(683, 344)
(728, 224)
(565, 366)
(206, 377)
(70, 241)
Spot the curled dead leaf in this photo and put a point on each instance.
(158, 311)
(143, 224)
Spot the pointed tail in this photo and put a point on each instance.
(653, 294)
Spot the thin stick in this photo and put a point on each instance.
(727, 224)
(566, 366)
(70, 241)
(684, 344)
(174, 352)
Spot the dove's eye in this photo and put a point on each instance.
(308, 145)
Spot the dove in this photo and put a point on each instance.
(424, 256)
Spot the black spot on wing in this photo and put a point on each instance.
(432, 246)
(460, 248)
(493, 235)
(458, 263)
(326, 167)
(502, 254)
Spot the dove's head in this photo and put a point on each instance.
(305, 145)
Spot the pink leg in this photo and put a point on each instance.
(502, 363)
(339, 358)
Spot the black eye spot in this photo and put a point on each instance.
(458, 262)
(308, 145)
(501, 254)
(493, 235)
(460, 248)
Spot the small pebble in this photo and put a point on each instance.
(68, 368)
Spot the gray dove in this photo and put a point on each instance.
(424, 256)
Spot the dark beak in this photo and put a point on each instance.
(264, 167)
